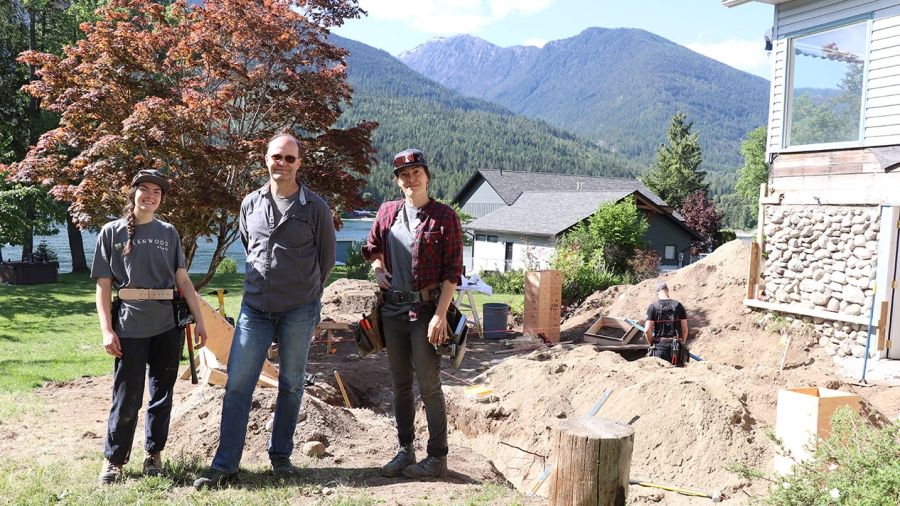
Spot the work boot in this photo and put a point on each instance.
(153, 465)
(110, 473)
(429, 467)
(282, 466)
(212, 478)
(404, 458)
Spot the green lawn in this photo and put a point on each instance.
(50, 332)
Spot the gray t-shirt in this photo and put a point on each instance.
(400, 241)
(155, 256)
(281, 204)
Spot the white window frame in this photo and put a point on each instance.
(787, 113)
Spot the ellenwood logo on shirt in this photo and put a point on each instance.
(160, 244)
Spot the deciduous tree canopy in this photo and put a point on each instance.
(196, 91)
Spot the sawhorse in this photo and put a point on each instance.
(472, 306)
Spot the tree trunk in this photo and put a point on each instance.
(76, 245)
(593, 460)
(28, 239)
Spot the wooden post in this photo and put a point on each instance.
(761, 218)
(753, 276)
(593, 460)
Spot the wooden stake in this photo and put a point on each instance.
(787, 345)
(340, 383)
(592, 464)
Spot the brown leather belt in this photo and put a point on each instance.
(145, 294)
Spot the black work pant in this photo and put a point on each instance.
(409, 353)
(162, 354)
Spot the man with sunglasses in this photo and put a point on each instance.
(288, 235)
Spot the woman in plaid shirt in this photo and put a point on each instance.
(415, 247)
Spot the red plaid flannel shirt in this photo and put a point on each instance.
(438, 249)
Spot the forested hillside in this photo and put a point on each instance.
(616, 87)
(458, 134)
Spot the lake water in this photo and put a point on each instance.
(354, 231)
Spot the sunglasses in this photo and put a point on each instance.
(287, 159)
(407, 159)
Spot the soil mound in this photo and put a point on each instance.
(345, 300)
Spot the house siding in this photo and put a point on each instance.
(483, 200)
(527, 251)
(881, 120)
(663, 232)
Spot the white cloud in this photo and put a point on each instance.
(746, 55)
(443, 17)
(534, 42)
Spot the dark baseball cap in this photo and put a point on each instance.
(151, 176)
(409, 158)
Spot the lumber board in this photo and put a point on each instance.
(753, 274)
(219, 334)
(882, 324)
(823, 163)
(606, 344)
(805, 311)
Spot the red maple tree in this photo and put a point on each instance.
(196, 91)
(701, 216)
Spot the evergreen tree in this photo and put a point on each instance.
(677, 172)
(755, 170)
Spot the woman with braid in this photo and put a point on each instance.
(139, 259)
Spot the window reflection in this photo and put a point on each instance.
(826, 86)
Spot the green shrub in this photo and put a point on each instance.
(644, 264)
(357, 266)
(227, 266)
(581, 278)
(857, 465)
(505, 282)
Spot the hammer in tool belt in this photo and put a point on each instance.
(185, 322)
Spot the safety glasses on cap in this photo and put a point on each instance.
(408, 158)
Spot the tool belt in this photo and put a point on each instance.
(671, 350)
(399, 297)
(180, 310)
(369, 337)
(131, 294)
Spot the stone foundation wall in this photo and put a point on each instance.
(823, 257)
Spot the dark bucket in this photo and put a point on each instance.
(494, 316)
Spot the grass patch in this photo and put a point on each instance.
(20, 404)
(50, 332)
(490, 493)
(32, 482)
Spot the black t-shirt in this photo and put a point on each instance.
(666, 315)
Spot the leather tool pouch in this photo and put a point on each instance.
(181, 312)
(369, 337)
(116, 309)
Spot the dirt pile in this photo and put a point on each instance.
(345, 300)
(692, 422)
(712, 290)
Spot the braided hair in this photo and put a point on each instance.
(128, 214)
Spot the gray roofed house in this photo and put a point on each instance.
(559, 212)
(519, 216)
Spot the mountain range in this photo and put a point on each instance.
(458, 134)
(618, 88)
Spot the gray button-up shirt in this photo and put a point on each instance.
(289, 261)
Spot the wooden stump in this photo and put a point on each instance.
(593, 460)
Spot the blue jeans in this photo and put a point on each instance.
(253, 335)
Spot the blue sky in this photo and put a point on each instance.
(733, 36)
